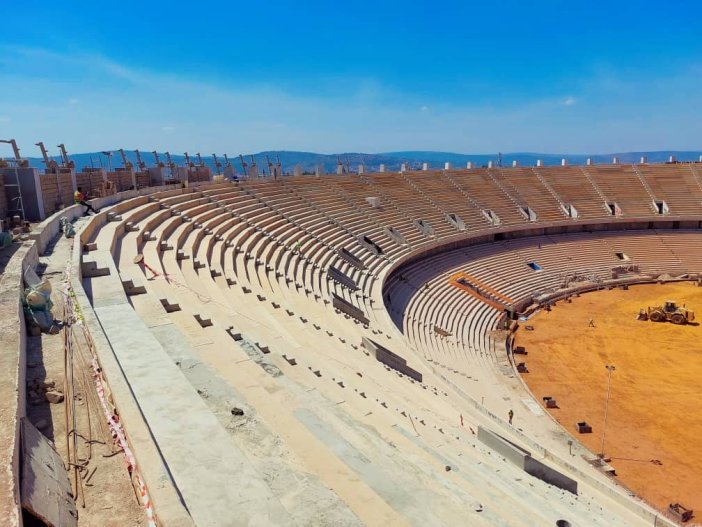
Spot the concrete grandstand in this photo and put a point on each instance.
(336, 350)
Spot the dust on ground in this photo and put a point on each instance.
(105, 494)
(653, 424)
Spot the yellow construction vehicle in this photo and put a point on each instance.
(669, 311)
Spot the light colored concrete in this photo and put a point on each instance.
(152, 468)
(303, 494)
(13, 347)
(377, 439)
(211, 473)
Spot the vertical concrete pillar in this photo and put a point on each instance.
(425, 166)
(515, 163)
(381, 168)
(74, 185)
(589, 161)
(361, 169)
(539, 163)
(469, 165)
(643, 160)
(491, 164)
(615, 160)
(564, 162)
(448, 166)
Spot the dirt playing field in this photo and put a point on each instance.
(654, 426)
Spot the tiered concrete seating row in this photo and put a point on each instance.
(237, 314)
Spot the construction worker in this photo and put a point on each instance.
(591, 323)
(79, 199)
(511, 415)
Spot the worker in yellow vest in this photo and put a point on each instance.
(79, 199)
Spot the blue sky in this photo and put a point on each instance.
(471, 77)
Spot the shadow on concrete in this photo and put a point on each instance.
(38, 408)
(6, 254)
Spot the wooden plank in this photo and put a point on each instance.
(45, 487)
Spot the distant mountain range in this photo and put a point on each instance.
(308, 161)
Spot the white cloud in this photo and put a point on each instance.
(73, 101)
(121, 106)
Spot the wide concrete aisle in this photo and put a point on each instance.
(218, 483)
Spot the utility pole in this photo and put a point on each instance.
(610, 369)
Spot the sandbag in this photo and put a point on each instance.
(37, 305)
(67, 227)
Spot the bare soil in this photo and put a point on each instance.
(654, 421)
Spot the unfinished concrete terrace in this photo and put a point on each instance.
(277, 355)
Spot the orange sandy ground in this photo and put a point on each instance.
(655, 406)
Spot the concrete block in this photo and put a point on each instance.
(90, 268)
(234, 334)
(131, 289)
(204, 322)
(522, 459)
(170, 308)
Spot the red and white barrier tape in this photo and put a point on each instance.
(121, 441)
(118, 435)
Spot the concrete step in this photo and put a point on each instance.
(214, 477)
(170, 308)
(131, 289)
(91, 268)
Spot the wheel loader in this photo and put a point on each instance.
(670, 312)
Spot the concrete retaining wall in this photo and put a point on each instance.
(13, 348)
(522, 459)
